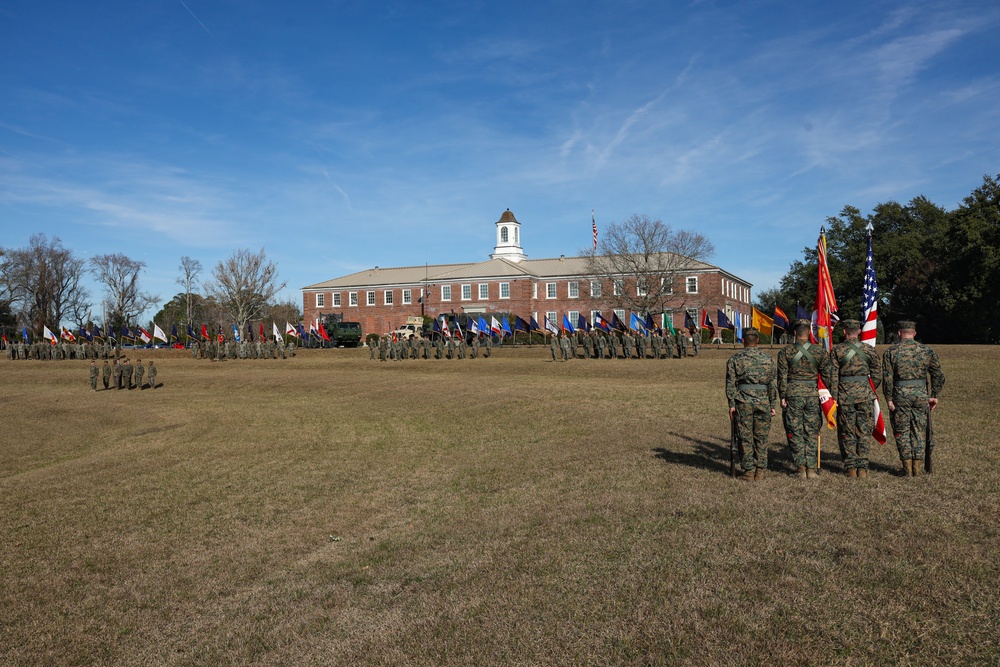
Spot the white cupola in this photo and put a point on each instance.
(508, 239)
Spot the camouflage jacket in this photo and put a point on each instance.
(905, 362)
(798, 368)
(750, 379)
(854, 362)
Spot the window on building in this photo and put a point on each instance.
(641, 286)
(595, 288)
(388, 297)
(593, 317)
(446, 292)
(503, 235)
(484, 290)
(353, 298)
(667, 285)
(504, 290)
(534, 290)
(552, 315)
(407, 297)
(574, 317)
(320, 300)
(336, 299)
(371, 298)
(692, 284)
(550, 290)
(574, 289)
(619, 287)
(621, 316)
(516, 241)
(466, 292)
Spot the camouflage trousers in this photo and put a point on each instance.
(855, 422)
(802, 420)
(753, 423)
(909, 426)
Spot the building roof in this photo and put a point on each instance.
(556, 267)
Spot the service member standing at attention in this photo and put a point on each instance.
(94, 372)
(106, 373)
(854, 363)
(799, 364)
(140, 370)
(753, 396)
(905, 368)
(152, 375)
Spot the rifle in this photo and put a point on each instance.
(733, 445)
(929, 448)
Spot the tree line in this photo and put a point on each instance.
(937, 267)
(43, 285)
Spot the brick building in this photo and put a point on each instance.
(509, 282)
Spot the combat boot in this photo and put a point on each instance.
(747, 476)
(863, 473)
(918, 467)
(759, 475)
(801, 472)
(908, 468)
(852, 472)
(812, 473)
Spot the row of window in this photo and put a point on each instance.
(483, 292)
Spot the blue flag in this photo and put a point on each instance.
(566, 325)
(190, 331)
(520, 324)
(534, 325)
(724, 322)
(738, 326)
(616, 323)
(173, 331)
(637, 324)
(24, 333)
(801, 313)
(483, 327)
(582, 323)
(505, 326)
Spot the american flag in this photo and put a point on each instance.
(869, 300)
(869, 329)
(593, 222)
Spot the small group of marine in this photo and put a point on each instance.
(909, 373)
(625, 345)
(214, 350)
(120, 375)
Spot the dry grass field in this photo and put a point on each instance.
(329, 510)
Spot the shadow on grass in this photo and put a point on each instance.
(713, 454)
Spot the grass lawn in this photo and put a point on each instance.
(330, 510)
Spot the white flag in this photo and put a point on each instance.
(158, 332)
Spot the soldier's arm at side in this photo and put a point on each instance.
(887, 380)
(937, 380)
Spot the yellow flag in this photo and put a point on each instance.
(761, 322)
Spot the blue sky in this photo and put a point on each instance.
(344, 135)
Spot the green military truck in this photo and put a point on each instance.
(341, 333)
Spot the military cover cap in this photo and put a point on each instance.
(851, 325)
(802, 324)
(906, 325)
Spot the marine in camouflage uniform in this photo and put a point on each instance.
(905, 367)
(853, 363)
(752, 394)
(799, 365)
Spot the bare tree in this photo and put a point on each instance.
(244, 284)
(123, 300)
(42, 283)
(642, 260)
(190, 270)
